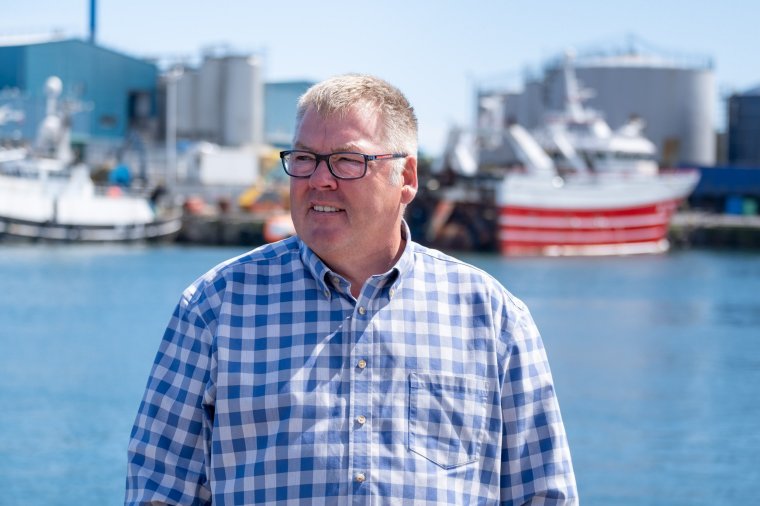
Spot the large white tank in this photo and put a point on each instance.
(676, 102)
(210, 82)
(222, 101)
(243, 101)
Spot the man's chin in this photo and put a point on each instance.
(323, 239)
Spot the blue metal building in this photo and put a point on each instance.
(281, 99)
(117, 92)
(744, 129)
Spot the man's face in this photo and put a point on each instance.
(349, 220)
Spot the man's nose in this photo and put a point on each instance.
(322, 177)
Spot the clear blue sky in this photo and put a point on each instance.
(435, 51)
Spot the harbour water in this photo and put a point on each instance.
(656, 361)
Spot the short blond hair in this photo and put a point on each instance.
(337, 95)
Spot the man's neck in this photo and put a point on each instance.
(357, 273)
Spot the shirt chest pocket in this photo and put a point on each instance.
(447, 417)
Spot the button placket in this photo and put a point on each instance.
(361, 392)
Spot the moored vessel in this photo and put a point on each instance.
(46, 195)
(580, 188)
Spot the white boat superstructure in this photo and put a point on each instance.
(578, 139)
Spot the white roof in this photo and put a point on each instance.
(29, 39)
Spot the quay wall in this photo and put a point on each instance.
(687, 230)
(699, 229)
(223, 229)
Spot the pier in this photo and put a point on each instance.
(701, 229)
(223, 229)
(688, 229)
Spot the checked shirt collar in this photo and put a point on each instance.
(325, 276)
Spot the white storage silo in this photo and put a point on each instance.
(243, 101)
(210, 81)
(677, 103)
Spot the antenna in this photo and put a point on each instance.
(93, 22)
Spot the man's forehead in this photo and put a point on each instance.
(342, 111)
(358, 124)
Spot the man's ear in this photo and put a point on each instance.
(409, 180)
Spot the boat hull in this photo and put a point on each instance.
(608, 216)
(24, 230)
(71, 209)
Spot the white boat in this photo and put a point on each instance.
(583, 188)
(45, 195)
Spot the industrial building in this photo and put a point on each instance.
(218, 113)
(734, 188)
(676, 100)
(111, 93)
(224, 100)
(744, 129)
(279, 117)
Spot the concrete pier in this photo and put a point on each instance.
(228, 229)
(688, 229)
(715, 230)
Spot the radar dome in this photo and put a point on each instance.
(53, 86)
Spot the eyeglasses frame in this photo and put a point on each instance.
(326, 157)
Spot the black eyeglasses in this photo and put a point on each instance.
(342, 165)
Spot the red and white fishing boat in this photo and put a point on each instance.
(588, 190)
(582, 188)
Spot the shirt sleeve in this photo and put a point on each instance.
(170, 442)
(536, 464)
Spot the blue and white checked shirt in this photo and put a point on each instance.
(273, 385)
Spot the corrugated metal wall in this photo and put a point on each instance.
(280, 115)
(107, 84)
(744, 129)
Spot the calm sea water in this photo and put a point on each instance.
(656, 361)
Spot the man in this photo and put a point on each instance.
(350, 364)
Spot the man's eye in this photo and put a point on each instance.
(349, 159)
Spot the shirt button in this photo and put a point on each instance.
(361, 364)
(392, 292)
(361, 419)
(359, 478)
(362, 311)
